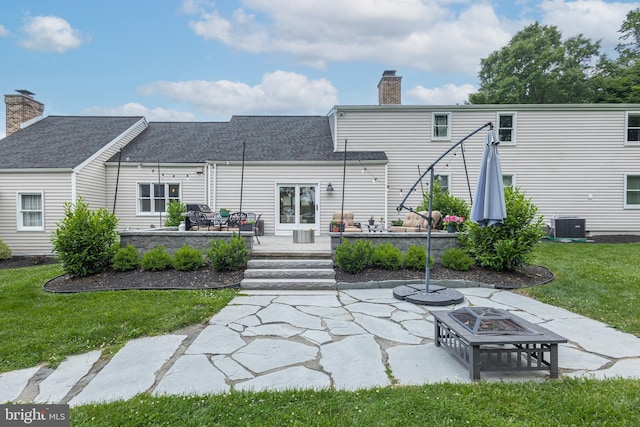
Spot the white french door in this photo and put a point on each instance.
(297, 207)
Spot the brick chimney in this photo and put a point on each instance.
(21, 108)
(389, 88)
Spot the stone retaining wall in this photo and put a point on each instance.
(440, 241)
(172, 239)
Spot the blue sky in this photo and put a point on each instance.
(206, 60)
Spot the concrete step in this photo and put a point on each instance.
(296, 273)
(288, 284)
(281, 264)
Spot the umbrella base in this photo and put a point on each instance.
(437, 295)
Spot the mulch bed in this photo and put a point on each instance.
(207, 278)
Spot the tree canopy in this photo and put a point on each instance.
(538, 67)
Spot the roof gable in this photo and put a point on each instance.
(61, 142)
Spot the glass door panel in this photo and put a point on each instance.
(297, 207)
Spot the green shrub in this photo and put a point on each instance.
(416, 258)
(187, 259)
(457, 259)
(353, 257)
(228, 256)
(510, 245)
(5, 250)
(85, 240)
(156, 259)
(445, 203)
(175, 213)
(126, 259)
(386, 256)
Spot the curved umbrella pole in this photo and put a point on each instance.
(431, 295)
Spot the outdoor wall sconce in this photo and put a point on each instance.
(329, 187)
(199, 170)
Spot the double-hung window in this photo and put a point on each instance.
(30, 213)
(632, 191)
(154, 197)
(633, 128)
(441, 126)
(507, 128)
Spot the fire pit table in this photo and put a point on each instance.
(491, 339)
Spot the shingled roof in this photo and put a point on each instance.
(267, 138)
(65, 142)
(60, 142)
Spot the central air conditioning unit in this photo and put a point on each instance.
(568, 227)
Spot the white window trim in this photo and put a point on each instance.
(624, 194)
(626, 129)
(153, 212)
(19, 224)
(513, 129)
(433, 126)
(513, 179)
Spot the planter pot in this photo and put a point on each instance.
(246, 227)
(451, 228)
(224, 214)
(371, 222)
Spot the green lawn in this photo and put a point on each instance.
(39, 326)
(600, 281)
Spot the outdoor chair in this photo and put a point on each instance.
(350, 226)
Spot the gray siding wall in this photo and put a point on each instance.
(568, 161)
(363, 197)
(56, 188)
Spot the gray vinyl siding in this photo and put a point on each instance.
(362, 197)
(192, 188)
(56, 189)
(92, 180)
(569, 161)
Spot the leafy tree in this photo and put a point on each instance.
(85, 240)
(618, 81)
(537, 67)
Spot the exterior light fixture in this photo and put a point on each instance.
(329, 187)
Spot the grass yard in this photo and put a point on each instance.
(599, 281)
(38, 326)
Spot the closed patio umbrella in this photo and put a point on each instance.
(489, 205)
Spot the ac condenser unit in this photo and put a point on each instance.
(568, 227)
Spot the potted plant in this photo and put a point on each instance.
(247, 225)
(224, 212)
(397, 222)
(371, 220)
(336, 226)
(452, 223)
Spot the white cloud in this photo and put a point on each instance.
(51, 34)
(422, 34)
(595, 19)
(448, 94)
(3, 31)
(135, 109)
(279, 92)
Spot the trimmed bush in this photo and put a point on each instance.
(156, 259)
(85, 240)
(457, 259)
(386, 256)
(188, 259)
(510, 245)
(228, 256)
(416, 258)
(126, 259)
(353, 257)
(175, 213)
(5, 250)
(445, 203)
